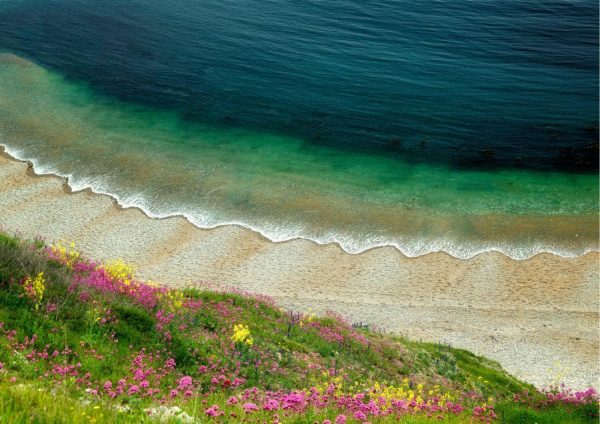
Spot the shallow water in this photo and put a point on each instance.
(283, 186)
(456, 126)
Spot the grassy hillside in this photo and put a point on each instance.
(82, 341)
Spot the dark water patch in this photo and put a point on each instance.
(284, 187)
(453, 80)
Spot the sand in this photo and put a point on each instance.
(538, 318)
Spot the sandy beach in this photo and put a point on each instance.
(538, 317)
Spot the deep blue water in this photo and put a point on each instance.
(472, 83)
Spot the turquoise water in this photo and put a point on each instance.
(282, 186)
(456, 126)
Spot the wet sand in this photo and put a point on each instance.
(539, 317)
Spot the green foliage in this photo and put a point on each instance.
(134, 323)
(559, 414)
(288, 351)
(206, 320)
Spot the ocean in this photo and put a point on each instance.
(459, 126)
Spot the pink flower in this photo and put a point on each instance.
(237, 382)
(271, 405)
(250, 407)
(340, 419)
(360, 415)
(173, 393)
(144, 384)
(213, 411)
(139, 360)
(185, 382)
(107, 386)
(232, 400)
(202, 369)
(326, 422)
(138, 375)
(170, 363)
(133, 389)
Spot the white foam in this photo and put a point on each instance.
(276, 233)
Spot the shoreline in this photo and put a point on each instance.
(526, 314)
(69, 189)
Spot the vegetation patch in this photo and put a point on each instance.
(83, 341)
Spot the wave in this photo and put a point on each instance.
(205, 219)
(281, 186)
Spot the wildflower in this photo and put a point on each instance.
(232, 400)
(340, 419)
(271, 405)
(120, 271)
(67, 256)
(34, 289)
(139, 374)
(360, 415)
(213, 411)
(174, 299)
(133, 389)
(173, 393)
(185, 382)
(250, 407)
(241, 334)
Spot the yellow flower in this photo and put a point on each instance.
(69, 256)
(241, 334)
(120, 271)
(35, 288)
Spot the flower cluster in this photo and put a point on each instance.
(118, 270)
(34, 289)
(132, 343)
(172, 299)
(116, 280)
(241, 334)
(63, 254)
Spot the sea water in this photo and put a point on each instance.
(456, 126)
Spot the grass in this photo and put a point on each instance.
(511, 413)
(90, 343)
